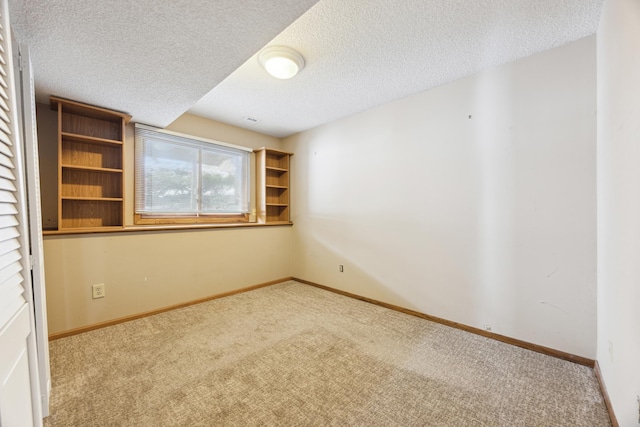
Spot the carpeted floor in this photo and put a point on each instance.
(294, 355)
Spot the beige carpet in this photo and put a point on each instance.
(294, 355)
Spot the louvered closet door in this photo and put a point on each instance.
(11, 278)
(17, 391)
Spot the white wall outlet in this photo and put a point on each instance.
(98, 291)
(611, 351)
(487, 327)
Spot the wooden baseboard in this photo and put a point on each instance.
(513, 341)
(94, 326)
(605, 395)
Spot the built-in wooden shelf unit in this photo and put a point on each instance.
(273, 168)
(90, 165)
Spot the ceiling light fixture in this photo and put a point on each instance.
(280, 61)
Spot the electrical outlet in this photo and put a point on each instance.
(341, 268)
(487, 327)
(98, 291)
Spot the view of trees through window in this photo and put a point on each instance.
(197, 178)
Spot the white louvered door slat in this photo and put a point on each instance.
(8, 221)
(7, 197)
(19, 388)
(5, 159)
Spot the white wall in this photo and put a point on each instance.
(618, 157)
(145, 271)
(474, 202)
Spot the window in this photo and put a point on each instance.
(183, 179)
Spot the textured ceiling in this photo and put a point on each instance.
(152, 59)
(363, 53)
(157, 59)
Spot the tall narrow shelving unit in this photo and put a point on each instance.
(273, 167)
(90, 166)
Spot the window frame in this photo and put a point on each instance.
(192, 218)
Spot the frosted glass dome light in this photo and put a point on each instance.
(281, 62)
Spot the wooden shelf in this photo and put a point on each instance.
(271, 168)
(90, 166)
(88, 139)
(160, 228)
(103, 199)
(273, 186)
